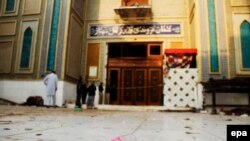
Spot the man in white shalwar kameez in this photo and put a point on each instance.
(51, 81)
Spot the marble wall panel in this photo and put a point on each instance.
(6, 48)
(73, 65)
(32, 7)
(7, 28)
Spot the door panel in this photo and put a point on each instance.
(155, 86)
(127, 86)
(141, 86)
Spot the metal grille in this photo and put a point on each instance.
(181, 89)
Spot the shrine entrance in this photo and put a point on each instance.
(135, 73)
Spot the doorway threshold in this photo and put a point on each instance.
(134, 108)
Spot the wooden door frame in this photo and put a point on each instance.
(151, 62)
(149, 55)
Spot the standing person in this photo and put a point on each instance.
(79, 92)
(84, 92)
(91, 96)
(50, 82)
(100, 89)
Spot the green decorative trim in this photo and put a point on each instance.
(214, 58)
(53, 35)
(245, 44)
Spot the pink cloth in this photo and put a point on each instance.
(117, 139)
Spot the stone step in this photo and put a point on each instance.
(131, 108)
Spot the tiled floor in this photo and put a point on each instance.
(62, 124)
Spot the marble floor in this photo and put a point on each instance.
(64, 124)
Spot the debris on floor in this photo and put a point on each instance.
(237, 111)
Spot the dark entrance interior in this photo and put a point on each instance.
(135, 73)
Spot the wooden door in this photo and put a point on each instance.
(155, 86)
(134, 86)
